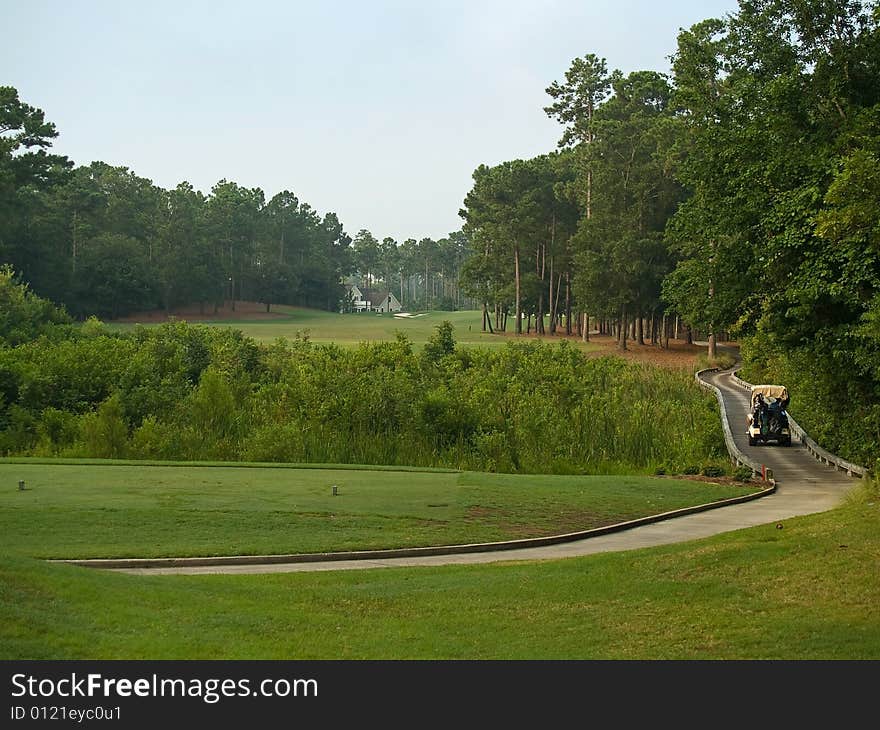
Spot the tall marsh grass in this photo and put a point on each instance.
(183, 392)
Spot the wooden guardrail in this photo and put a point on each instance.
(737, 456)
(820, 454)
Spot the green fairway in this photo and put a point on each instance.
(89, 511)
(808, 591)
(350, 329)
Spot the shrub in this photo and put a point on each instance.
(19, 434)
(56, 428)
(153, 440)
(712, 470)
(722, 361)
(105, 431)
(275, 443)
(441, 343)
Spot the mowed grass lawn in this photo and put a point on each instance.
(93, 510)
(808, 591)
(348, 330)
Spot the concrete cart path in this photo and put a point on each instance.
(804, 486)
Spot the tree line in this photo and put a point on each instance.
(738, 193)
(104, 241)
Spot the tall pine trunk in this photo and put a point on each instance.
(567, 303)
(518, 292)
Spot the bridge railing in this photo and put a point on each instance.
(737, 456)
(823, 455)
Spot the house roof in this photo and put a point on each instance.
(376, 296)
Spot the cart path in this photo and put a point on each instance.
(804, 486)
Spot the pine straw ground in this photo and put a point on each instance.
(244, 311)
(679, 355)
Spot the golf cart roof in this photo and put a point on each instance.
(779, 392)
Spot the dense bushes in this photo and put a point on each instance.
(193, 392)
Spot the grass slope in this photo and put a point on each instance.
(807, 591)
(132, 510)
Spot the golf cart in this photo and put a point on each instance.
(768, 420)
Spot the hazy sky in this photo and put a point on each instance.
(378, 111)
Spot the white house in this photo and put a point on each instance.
(382, 301)
(356, 301)
(372, 300)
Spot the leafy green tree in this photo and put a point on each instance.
(587, 85)
(114, 276)
(476, 280)
(185, 266)
(27, 171)
(24, 315)
(281, 249)
(335, 246)
(710, 286)
(390, 263)
(428, 251)
(365, 248)
(504, 211)
(620, 256)
(74, 214)
(25, 136)
(770, 95)
(233, 222)
(283, 226)
(409, 268)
